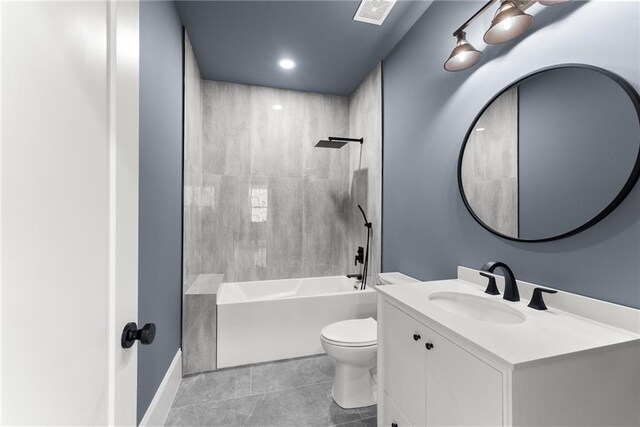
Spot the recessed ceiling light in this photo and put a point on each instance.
(287, 64)
(277, 107)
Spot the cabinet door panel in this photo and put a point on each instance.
(404, 363)
(460, 388)
(393, 417)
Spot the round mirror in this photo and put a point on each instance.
(552, 154)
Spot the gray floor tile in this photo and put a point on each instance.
(296, 393)
(310, 405)
(284, 374)
(213, 386)
(184, 416)
(369, 422)
(368, 411)
(233, 412)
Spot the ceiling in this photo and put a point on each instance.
(242, 41)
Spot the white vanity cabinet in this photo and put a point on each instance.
(430, 381)
(553, 368)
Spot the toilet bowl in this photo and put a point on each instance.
(354, 345)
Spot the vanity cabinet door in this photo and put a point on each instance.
(404, 363)
(393, 416)
(460, 388)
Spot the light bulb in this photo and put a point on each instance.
(463, 56)
(508, 23)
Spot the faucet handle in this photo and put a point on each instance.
(537, 302)
(492, 288)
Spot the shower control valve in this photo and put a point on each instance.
(359, 256)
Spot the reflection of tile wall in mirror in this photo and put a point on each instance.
(490, 165)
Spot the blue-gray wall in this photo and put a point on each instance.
(160, 265)
(427, 231)
(578, 143)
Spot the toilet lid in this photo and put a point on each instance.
(355, 332)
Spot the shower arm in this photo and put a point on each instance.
(337, 138)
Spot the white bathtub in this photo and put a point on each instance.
(278, 319)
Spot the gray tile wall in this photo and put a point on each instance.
(199, 325)
(261, 202)
(195, 196)
(490, 165)
(276, 207)
(365, 120)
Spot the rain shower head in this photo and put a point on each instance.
(323, 143)
(337, 142)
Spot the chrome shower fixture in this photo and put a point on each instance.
(508, 23)
(337, 142)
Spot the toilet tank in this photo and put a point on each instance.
(394, 278)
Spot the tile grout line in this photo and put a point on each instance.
(362, 416)
(250, 395)
(251, 373)
(259, 404)
(294, 387)
(348, 422)
(197, 414)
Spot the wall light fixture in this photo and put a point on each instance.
(508, 23)
(463, 56)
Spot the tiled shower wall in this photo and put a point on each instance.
(365, 120)
(193, 194)
(261, 202)
(277, 205)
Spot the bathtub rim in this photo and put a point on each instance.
(220, 295)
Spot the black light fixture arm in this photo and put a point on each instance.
(521, 4)
(473, 18)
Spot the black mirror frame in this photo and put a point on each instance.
(624, 192)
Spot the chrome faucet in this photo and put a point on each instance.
(510, 287)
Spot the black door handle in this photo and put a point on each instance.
(131, 333)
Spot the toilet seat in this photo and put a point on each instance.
(351, 333)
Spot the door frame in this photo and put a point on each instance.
(123, 79)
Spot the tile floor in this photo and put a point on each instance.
(294, 392)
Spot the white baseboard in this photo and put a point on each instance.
(159, 408)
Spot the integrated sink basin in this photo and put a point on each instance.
(475, 307)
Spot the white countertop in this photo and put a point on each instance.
(544, 334)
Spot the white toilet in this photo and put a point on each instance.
(354, 345)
